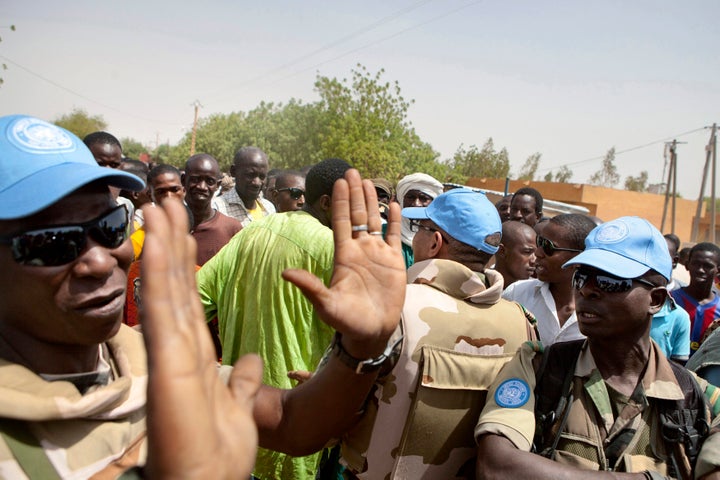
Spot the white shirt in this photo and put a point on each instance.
(535, 296)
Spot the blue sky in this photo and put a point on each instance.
(567, 79)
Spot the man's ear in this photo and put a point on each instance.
(501, 251)
(435, 247)
(232, 170)
(538, 215)
(658, 295)
(325, 202)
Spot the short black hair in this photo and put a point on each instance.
(674, 239)
(161, 169)
(322, 176)
(284, 175)
(248, 152)
(706, 247)
(578, 227)
(136, 167)
(101, 137)
(200, 156)
(533, 193)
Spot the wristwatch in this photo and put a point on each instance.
(369, 365)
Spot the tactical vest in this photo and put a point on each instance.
(684, 423)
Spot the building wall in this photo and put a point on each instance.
(607, 203)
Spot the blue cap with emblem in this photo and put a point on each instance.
(466, 215)
(626, 247)
(40, 163)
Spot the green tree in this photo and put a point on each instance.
(80, 123)
(365, 121)
(607, 176)
(132, 148)
(637, 184)
(483, 163)
(529, 168)
(562, 175)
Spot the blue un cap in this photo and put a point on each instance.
(626, 247)
(466, 215)
(40, 163)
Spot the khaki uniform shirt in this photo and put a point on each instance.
(458, 333)
(591, 424)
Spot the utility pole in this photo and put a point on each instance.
(672, 179)
(710, 159)
(197, 106)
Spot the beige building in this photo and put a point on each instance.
(609, 203)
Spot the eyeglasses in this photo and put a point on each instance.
(415, 226)
(295, 193)
(197, 179)
(549, 247)
(57, 245)
(605, 282)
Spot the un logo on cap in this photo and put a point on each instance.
(612, 232)
(36, 136)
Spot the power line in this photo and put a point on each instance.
(373, 43)
(330, 45)
(619, 152)
(73, 92)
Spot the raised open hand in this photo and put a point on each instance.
(367, 289)
(197, 426)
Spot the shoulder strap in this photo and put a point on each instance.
(553, 394)
(685, 424)
(27, 450)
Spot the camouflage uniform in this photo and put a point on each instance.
(458, 333)
(587, 432)
(97, 434)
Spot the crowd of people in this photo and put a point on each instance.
(158, 322)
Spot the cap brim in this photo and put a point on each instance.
(42, 189)
(416, 213)
(609, 262)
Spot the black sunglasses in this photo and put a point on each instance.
(295, 193)
(56, 245)
(605, 282)
(549, 247)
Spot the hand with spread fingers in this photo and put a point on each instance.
(367, 289)
(197, 426)
(201, 428)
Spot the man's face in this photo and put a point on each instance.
(76, 304)
(250, 173)
(107, 155)
(548, 268)
(610, 315)
(520, 254)
(673, 252)
(703, 267)
(416, 198)
(202, 179)
(167, 185)
(285, 194)
(503, 208)
(522, 209)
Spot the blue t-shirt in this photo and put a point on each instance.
(671, 330)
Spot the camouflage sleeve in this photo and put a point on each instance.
(510, 407)
(708, 460)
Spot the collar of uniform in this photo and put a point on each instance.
(658, 381)
(457, 280)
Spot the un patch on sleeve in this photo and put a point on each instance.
(512, 393)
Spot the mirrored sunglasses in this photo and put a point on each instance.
(605, 282)
(549, 247)
(56, 245)
(295, 193)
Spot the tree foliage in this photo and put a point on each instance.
(562, 175)
(133, 148)
(80, 123)
(607, 176)
(529, 168)
(483, 163)
(637, 184)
